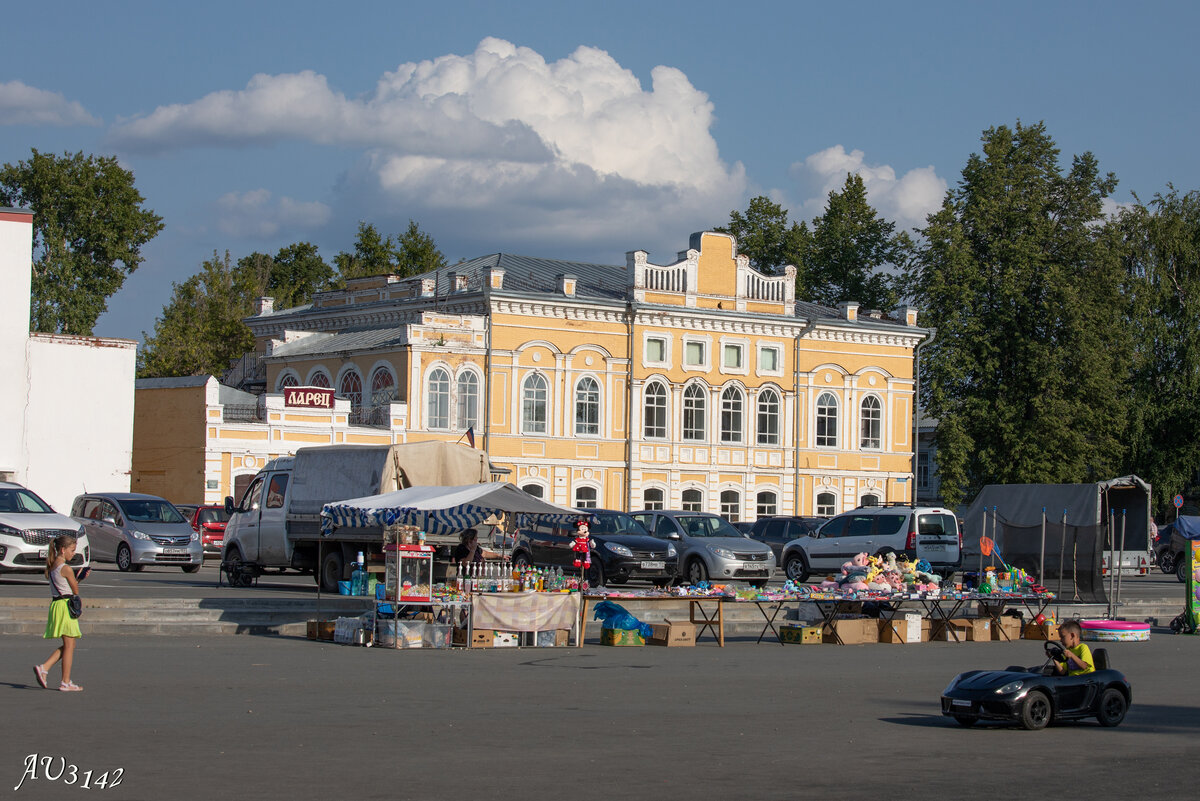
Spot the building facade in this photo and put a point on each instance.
(699, 384)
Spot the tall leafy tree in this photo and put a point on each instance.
(297, 271)
(852, 250)
(416, 252)
(373, 254)
(770, 240)
(1162, 261)
(89, 226)
(1018, 273)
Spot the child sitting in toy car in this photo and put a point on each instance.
(1076, 656)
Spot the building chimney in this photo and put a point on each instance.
(849, 310)
(910, 314)
(264, 305)
(566, 284)
(494, 277)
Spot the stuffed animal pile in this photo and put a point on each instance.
(885, 574)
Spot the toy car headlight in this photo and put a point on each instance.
(1010, 688)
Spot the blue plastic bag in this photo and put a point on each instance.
(616, 616)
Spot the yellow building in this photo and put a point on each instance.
(700, 384)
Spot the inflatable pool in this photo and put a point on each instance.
(1114, 631)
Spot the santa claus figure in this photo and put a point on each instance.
(582, 546)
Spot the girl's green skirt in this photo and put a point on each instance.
(59, 622)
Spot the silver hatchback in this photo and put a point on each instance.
(710, 548)
(136, 530)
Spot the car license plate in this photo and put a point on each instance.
(747, 568)
(935, 547)
(653, 565)
(960, 702)
(174, 551)
(42, 553)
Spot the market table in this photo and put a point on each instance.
(993, 608)
(527, 611)
(710, 619)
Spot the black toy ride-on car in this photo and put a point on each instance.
(1034, 697)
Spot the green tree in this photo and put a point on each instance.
(89, 226)
(200, 330)
(416, 252)
(771, 242)
(1162, 261)
(373, 255)
(1022, 280)
(852, 250)
(297, 272)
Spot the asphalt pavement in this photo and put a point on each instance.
(280, 717)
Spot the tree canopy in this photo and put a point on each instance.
(765, 235)
(89, 226)
(416, 252)
(373, 254)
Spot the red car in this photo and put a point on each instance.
(209, 522)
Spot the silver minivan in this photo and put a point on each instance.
(135, 530)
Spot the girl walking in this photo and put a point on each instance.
(59, 623)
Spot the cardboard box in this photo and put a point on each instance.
(554, 638)
(458, 637)
(672, 634)
(621, 637)
(321, 629)
(1007, 628)
(800, 633)
(956, 629)
(904, 628)
(312, 629)
(1040, 631)
(505, 639)
(483, 638)
(852, 631)
(926, 629)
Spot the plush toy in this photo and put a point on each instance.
(830, 583)
(854, 573)
(582, 546)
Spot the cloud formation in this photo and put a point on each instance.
(255, 215)
(906, 200)
(21, 104)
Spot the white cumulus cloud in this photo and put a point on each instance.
(906, 200)
(257, 215)
(21, 104)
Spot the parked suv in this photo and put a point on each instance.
(709, 547)
(621, 549)
(920, 532)
(136, 530)
(779, 531)
(27, 526)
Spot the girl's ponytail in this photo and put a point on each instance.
(57, 546)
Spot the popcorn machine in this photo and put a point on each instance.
(409, 576)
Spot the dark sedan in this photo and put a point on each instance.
(621, 549)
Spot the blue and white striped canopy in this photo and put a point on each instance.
(439, 510)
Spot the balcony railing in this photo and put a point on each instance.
(372, 416)
(242, 413)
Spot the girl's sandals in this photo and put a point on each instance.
(41, 676)
(70, 687)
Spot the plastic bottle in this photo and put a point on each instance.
(358, 579)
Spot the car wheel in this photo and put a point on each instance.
(1112, 707)
(124, 558)
(234, 570)
(966, 721)
(521, 560)
(332, 569)
(1166, 563)
(1035, 711)
(697, 571)
(595, 574)
(795, 568)
(1181, 568)
(191, 568)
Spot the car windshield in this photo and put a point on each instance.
(151, 511)
(214, 515)
(22, 501)
(616, 523)
(701, 526)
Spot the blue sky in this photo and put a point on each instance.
(567, 130)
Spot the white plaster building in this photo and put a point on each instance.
(66, 401)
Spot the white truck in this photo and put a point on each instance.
(276, 525)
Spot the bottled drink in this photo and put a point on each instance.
(358, 579)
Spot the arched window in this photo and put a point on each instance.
(438, 399)
(827, 420)
(383, 387)
(826, 504)
(767, 504)
(768, 417)
(869, 500)
(694, 411)
(319, 378)
(871, 424)
(587, 406)
(692, 500)
(533, 405)
(468, 400)
(351, 387)
(731, 505)
(656, 412)
(286, 380)
(731, 415)
(585, 498)
(652, 498)
(536, 490)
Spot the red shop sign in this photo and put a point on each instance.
(308, 397)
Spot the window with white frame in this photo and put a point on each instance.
(653, 498)
(319, 378)
(438, 399)
(733, 356)
(351, 388)
(467, 411)
(871, 424)
(655, 414)
(656, 350)
(731, 505)
(695, 409)
(767, 503)
(827, 420)
(695, 354)
(826, 504)
(731, 415)
(768, 417)
(768, 360)
(533, 404)
(923, 469)
(692, 500)
(586, 498)
(536, 490)
(587, 407)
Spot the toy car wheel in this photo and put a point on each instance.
(1181, 569)
(1112, 707)
(1035, 711)
(966, 721)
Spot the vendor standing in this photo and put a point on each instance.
(468, 549)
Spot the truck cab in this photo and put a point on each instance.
(257, 529)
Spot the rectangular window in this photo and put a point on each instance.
(733, 357)
(694, 354)
(768, 360)
(923, 469)
(656, 350)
